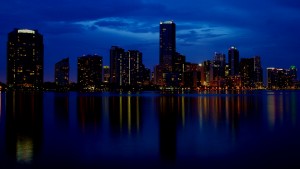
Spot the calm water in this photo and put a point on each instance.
(150, 130)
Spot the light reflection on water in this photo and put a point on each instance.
(149, 129)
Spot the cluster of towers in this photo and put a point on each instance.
(238, 73)
(25, 65)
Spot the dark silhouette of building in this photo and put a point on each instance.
(282, 78)
(192, 75)
(133, 68)
(247, 72)
(167, 53)
(127, 68)
(219, 64)
(62, 69)
(167, 44)
(106, 74)
(25, 59)
(116, 60)
(89, 75)
(233, 61)
(258, 77)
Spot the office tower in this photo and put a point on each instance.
(191, 75)
(247, 72)
(167, 44)
(258, 77)
(106, 74)
(133, 68)
(281, 78)
(25, 59)
(207, 72)
(233, 61)
(251, 72)
(89, 75)
(218, 66)
(117, 56)
(293, 73)
(62, 69)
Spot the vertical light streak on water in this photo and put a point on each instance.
(271, 111)
(182, 111)
(129, 114)
(138, 114)
(121, 112)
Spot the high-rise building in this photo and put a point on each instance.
(258, 70)
(276, 78)
(62, 69)
(127, 68)
(251, 72)
(106, 74)
(233, 61)
(282, 78)
(89, 75)
(117, 56)
(167, 44)
(218, 66)
(25, 59)
(133, 68)
(247, 72)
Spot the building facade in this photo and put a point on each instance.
(89, 74)
(167, 44)
(233, 61)
(25, 59)
(117, 56)
(62, 72)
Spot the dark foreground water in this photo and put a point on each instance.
(150, 130)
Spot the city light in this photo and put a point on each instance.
(26, 31)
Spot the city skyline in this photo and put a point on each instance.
(268, 29)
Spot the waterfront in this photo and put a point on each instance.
(256, 129)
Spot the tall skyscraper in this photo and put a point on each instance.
(62, 69)
(258, 70)
(218, 66)
(25, 59)
(167, 44)
(89, 75)
(117, 55)
(134, 67)
(233, 61)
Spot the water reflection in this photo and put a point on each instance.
(89, 112)
(125, 114)
(61, 108)
(24, 125)
(168, 108)
(133, 130)
(281, 106)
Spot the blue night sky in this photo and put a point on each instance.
(71, 28)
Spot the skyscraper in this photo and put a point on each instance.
(62, 69)
(134, 67)
(106, 74)
(167, 44)
(218, 66)
(25, 59)
(233, 61)
(117, 55)
(89, 75)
